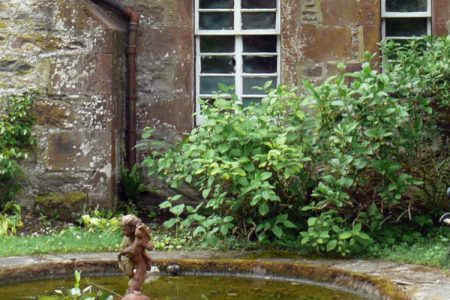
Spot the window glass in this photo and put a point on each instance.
(406, 27)
(210, 84)
(260, 43)
(406, 5)
(256, 64)
(216, 20)
(217, 44)
(251, 82)
(261, 20)
(251, 101)
(218, 64)
(259, 4)
(216, 4)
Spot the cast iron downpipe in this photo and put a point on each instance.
(133, 22)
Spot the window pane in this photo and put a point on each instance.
(406, 5)
(406, 27)
(259, 3)
(218, 44)
(216, 21)
(251, 101)
(255, 64)
(218, 64)
(251, 82)
(263, 20)
(209, 84)
(216, 3)
(260, 43)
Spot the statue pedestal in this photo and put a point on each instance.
(133, 296)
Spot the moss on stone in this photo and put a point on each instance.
(66, 199)
(43, 41)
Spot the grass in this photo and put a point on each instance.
(73, 239)
(428, 252)
(431, 252)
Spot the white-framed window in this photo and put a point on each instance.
(237, 44)
(405, 19)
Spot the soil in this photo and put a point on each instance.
(33, 225)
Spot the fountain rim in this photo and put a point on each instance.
(56, 266)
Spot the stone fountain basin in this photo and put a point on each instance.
(375, 279)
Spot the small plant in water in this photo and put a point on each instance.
(76, 293)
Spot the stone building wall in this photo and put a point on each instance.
(72, 54)
(73, 51)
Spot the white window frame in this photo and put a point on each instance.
(238, 53)
(387, 15)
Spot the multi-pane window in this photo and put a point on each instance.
(238, 45)
(405, 19)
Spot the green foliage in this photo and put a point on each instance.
(420, 69)
(132, 183)
(332, 165)
(10, 219)
(16, 124)
(328, 233)
(103, 222)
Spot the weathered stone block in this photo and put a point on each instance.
(78, 151)
(88, 74)
(50, 114)
(313, 71)
(326, 43)
(372, 36)
(66, 207)
(441, 12)
(15, 66)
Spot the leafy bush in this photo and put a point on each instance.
(104, 222)
(132, 183)
(10, 219)
(421, 68)
(16, 139)
(333, 164)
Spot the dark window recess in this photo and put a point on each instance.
(406, 27)
(261, 20)
(216, 4)
(218, 64)
(216, 21)
(260, 43)
(406, 5)
(218, 44)
(255, 64)
(259, 3)
(251, 82)
(210, 84)
(251, 101)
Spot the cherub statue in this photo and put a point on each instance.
(135, 242)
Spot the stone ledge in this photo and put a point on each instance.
(377, 279)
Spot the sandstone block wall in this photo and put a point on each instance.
(72, 54)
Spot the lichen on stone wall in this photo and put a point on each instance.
(64, 51)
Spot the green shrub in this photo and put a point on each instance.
(99, 221)
(332, 165)
(16, 139)
(10, 219)
(132, 183)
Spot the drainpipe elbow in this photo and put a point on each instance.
(132, 15)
